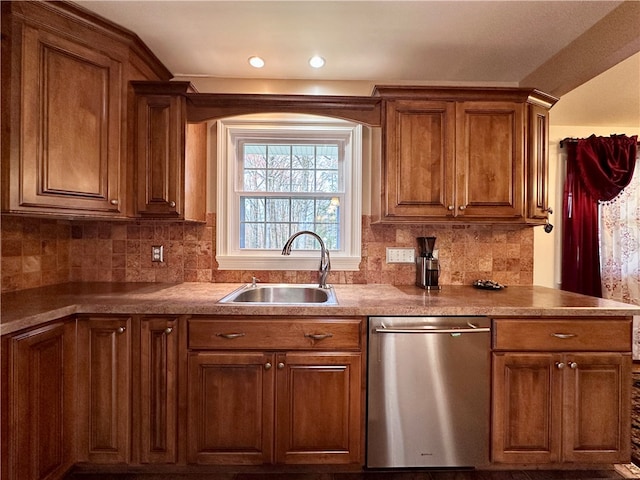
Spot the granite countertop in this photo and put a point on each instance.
(29, 308)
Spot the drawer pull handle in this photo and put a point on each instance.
(564, 335)
(230, 336)
(560, 365)
(318, 336)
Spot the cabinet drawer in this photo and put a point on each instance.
(275, 333)
(562, 335)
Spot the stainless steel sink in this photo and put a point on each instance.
(281, 294)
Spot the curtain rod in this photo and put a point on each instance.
(575, 140)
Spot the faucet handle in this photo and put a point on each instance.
(254, 281)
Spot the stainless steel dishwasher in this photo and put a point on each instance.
(428, 392)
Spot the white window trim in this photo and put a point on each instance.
(228, 130)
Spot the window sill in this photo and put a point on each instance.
(292, 262)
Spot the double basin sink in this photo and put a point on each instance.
(281, 294)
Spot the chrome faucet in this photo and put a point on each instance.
(325, 261)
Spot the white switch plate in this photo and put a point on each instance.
(401, 255)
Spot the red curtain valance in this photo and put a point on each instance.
(606, 164)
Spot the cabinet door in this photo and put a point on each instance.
(538, 168)
(69, 154)
(158, 390)
(230, 408)
(419, 174)
(526, 408)
(319, 411)
(39, 402)
(104, 389)
(490, 160)
(597, 418)
(160, 154)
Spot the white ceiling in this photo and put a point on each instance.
(555, 46)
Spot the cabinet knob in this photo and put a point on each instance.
(280, 365)
(573, 365)
(168, 330)
(121, 329)
(560, 365)
(462, 207)
(548, 210)
(450, 207)
(172, 204)
(267, 366)
(114, 201)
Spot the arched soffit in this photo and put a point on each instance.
(365, 110)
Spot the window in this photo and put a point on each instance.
(277, 177)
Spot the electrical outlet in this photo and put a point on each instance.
(157, 253)
(401, 255)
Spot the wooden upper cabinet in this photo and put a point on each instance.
(455, 155)
(66, 153)
(170, 154)
(64, 110)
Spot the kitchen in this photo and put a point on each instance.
(73, 252)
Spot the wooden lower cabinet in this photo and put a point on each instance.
(264, 390)
(257, 408)
(104, 389)
(38, 402)
(561, 407)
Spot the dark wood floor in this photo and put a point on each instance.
(369, 475)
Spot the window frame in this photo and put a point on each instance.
(231, 132)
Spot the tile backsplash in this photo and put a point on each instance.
(38, 252)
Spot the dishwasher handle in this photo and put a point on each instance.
(444, 329)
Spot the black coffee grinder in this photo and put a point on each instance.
(427, 267)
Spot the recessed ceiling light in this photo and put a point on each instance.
(316, 61)
(256, 62)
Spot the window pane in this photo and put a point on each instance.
(277, 235)
(302, 180)
(252, 235)
(279, 181)
(303, 156)
(255, 180)
(279, 156)
(252, 209)
(278, 210)
(326, 181)
(255, 156)
(329, 233)
(303, 210)
(327, 156)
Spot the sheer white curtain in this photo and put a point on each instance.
(620, 244)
